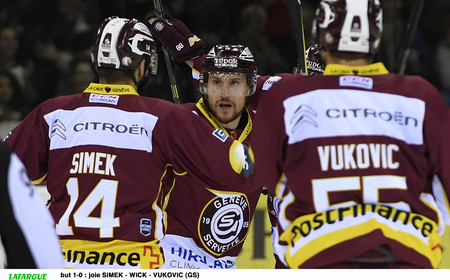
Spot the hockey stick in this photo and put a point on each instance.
(409, 38)
(295, 6)
(170, 69)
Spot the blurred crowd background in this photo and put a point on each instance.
(45, 44)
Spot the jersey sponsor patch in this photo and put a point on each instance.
(220, 134)
(103, 98)
(269, 82)
(113, 254)
(352, 112)
(145, 226)
(310, 234)
(224, 222)
(183, 253)
(100, 126)
(356, 81)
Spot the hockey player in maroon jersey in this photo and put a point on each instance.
(186, 47)
(209, 231)
(358, 157)
(110, 156)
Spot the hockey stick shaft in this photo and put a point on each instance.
(170, 68)
(295, 6)
(410, 32)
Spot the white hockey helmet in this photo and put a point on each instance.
(121, 43)
(350, 25)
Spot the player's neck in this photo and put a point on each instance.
(329, 58)
(353, 62)
(231, 125)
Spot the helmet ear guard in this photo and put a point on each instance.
(153, 63)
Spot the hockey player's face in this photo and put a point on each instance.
(226, 95)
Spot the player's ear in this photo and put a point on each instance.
(140, 70)
(248, 91)
(204, 89)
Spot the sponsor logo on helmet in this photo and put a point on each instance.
(246, 55)
(225, 62)
(145, 226)
(106, 45)
(142, 27)
(356, 24)
(315, 66)
(107, 41)
(224, 222)
(126, 61)
(193, 39)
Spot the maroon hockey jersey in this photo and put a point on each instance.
(208, 231)
(360, 159)
(109, 158)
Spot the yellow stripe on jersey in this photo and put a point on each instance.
(245, 132)
(445, 263)
(111, 89)
(311, 234)
(40, 180)
(116, 254)
(370, 70)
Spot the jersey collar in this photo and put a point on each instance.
(245, 132)
(366, 70)
(111, 89)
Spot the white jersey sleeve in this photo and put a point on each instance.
(27, 229)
